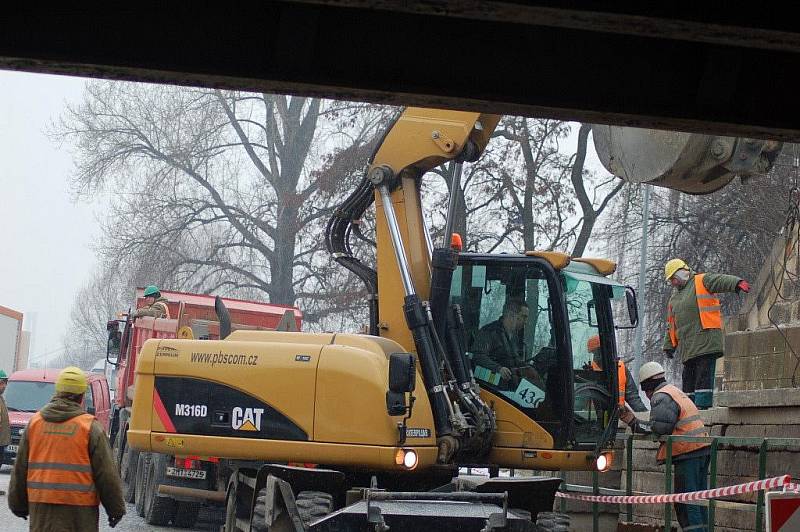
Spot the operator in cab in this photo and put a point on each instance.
(156, 305)
(499, 346)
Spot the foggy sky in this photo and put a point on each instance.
(45, 237)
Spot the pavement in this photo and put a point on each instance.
(130, 523)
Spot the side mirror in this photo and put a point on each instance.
(402, 373)
(114, 338)
(633, 309)
(402, 381)
(633, 306)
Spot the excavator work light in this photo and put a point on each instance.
(407, 458)
(603, 462)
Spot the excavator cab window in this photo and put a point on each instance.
(590, 362)
(510, 308)
(531, 335)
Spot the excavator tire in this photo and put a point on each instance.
(141, 482)
(313, 504)
(158, 511)
(552, 522)
(259, 521)
(186, 514)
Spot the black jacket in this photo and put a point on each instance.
(494, 348)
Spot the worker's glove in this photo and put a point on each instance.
(627, 416)
(742, 286)
(669, 353)
(112, 521)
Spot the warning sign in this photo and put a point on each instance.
(783, 511)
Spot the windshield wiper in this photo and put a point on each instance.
(21, 410)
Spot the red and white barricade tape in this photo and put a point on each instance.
(749, 487)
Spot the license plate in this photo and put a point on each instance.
(11, 448)
(197, 474)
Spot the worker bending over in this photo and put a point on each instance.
(673, 413)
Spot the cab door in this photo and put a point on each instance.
(97, 399)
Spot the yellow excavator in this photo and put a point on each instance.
(471, 360)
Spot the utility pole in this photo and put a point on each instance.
(639, 339)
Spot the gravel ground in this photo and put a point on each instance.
(130, 523)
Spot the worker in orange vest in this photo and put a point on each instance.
(694, 325)
(673, 413)
(627, 389)
(64, 468)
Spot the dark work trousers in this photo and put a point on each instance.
(698, 379)
(691, 475)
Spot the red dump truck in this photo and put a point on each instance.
(192, 316)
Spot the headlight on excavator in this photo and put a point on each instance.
(407, 458)
(603, 462)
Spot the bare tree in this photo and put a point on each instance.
(546, 199)
(224, 191)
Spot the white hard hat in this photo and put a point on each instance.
(650, 370)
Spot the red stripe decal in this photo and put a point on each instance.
(158, 405)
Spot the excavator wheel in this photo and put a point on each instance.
(552, 522)
(259, 521)
(141, 482)
(313, 504)
(230, 505)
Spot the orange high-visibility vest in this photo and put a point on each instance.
(59, 466)
(622, 380)
(688, 424)
(708, 306)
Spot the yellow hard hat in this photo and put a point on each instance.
(71, 380)
(673, 266)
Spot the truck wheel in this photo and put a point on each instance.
(552, 522)
(157, 510)
(186, 514)
(141, 482)
(311, 505)
(127, 461)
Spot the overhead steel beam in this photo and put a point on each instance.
(669, 67)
